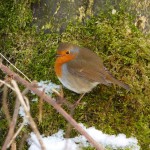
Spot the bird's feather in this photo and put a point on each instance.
(88, 65)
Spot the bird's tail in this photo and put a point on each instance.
(115, 81)
(111, 79)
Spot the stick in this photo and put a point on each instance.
(5, 105)
(13, 123)
(28, 115)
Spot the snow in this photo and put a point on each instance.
(58, 142)
(47, 86)
(23, 115)
(21, 111)
(112, 141)
(114, 11)
(54, 142)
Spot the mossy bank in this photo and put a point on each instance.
(114, 37)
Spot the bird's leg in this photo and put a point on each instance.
(60, 99)
(78, 101)
(60, 94)
(72, 108)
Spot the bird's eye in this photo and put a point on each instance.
(67, 52)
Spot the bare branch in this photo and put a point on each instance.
(41, 107)
(18, 131)
(13, 122)
(23, 140)
(26, 109)
(13, 146)
(15, 67)
(5, 105)
(22, 125)
(8, 85)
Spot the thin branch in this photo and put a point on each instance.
(56, 92)
(22, 125)
(27, 102)
(72, 109)
(61, 100)
(54, 104)
(8, 85)
(13, 123)
(28, 115)
(13, 146)
(23, 140)
(41, 107)
(18, 131)
(15, 67)
(5, 104)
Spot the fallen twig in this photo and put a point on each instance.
(12, 125)
(5, 105)
(28, 115)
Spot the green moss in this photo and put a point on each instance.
(124, 49)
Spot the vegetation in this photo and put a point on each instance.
(124, 49)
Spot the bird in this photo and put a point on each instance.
(80, 69)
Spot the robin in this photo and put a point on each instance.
(80, 69)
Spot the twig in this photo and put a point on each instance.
(15, 67)
(5, 105)
(8, 85)
(13, 122)
(61, 100)
(18, 131)
(72, 109)
(22, 125)
(56, 92)
(23, 139)
(54, 104)
(31, 121)
(41, 107)
(13, 146)
(27, 102)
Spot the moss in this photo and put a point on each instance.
(124, 49)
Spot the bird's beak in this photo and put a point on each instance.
(58, 55)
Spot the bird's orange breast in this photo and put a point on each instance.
(58, 67)
(60, 61)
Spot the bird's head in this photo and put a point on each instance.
(66, 52)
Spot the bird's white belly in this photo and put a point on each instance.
(75, 83)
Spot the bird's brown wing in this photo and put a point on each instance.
(88, 70)
(89, 66)
(91, 72)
